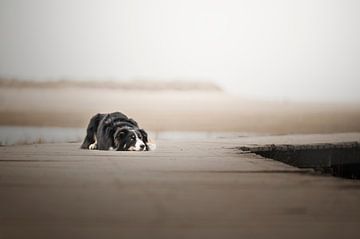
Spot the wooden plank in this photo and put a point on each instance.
(185, 189)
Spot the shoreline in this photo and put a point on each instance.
(25, 135)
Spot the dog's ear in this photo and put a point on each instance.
(133, 122)
(144, 135)
(120, 133)
(119, 138)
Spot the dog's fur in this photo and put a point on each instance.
(115, 131)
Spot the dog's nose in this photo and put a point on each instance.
(142, 146)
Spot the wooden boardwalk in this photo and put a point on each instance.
(184, 189)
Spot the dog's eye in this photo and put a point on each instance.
(133, 137)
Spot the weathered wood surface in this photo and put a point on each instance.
(195, 189)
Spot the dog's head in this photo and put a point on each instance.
(130, 139)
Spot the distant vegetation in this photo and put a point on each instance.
(144, 85)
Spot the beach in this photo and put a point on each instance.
(197, 183)
(174, 111)
(253, 106)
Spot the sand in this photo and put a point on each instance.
(174, 111)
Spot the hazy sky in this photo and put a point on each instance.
(272, 49)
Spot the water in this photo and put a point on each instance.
(11, 135)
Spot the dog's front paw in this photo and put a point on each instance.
(93, 146)
(151, 146)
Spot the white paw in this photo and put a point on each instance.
(151, 146)
(93, 146)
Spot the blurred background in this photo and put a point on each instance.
(202, 66)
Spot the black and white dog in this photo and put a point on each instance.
(115, 131)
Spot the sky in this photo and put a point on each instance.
(266, 49)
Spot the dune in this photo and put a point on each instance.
(138, 85)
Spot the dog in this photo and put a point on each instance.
(115, 131)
